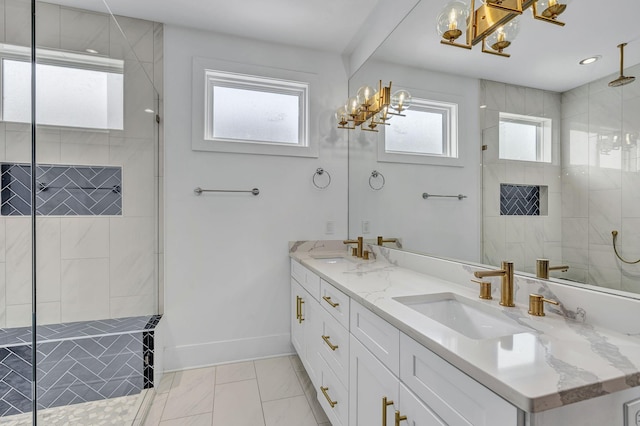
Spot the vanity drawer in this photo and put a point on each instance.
(377, 335)
(306, 278)
(333, 345)
(330, 388)
(335, 302)
(451, 394)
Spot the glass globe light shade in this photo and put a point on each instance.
(341, 115)
(366, 95)
(452, 21)
(352, 106)
(501, 38)
(401, 100)
(551, 8)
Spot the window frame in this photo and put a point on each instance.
(450, 136)
(209, 73)
(544, 133)
(60, 59)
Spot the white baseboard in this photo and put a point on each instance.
(213, 353)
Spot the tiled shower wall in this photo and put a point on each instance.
(520, 238)
(89, 267)
(601, 181)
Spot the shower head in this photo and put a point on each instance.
(622, 80)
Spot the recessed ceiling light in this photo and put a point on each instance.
(590, 60)
(93, 51)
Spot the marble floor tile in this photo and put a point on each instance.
(277, 379)
(198, 420)
(289, 412)
(165, 383)
(297, 364)
(191, 393)
(235, 372)
(154, 416)
(238, 404)
(312, 397)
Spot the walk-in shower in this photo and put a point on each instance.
(83, 272)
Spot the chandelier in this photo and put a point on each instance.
(495, 23)
(370, 108)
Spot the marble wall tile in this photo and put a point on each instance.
(515, 172)
(47, 25)
(534, 102)
(495, 94)
(552, 105)
(138, 35)
(136, 156)
(81, 30)
(17, 22)
(575, 101)
(3, 296)
(84, 237)
(20, 315)
(18, 258)
(604, 215)
(71, 153)
(85, 289)
(552, 229)
(48, 239)
(515, 99)
(140, 96)
(534, 174)
(514, 230)
(47, 145)
(17, 146)
(128, 306)
(132, 256)
(3, 252)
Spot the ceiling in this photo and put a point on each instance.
(328, 25)
(543, 56)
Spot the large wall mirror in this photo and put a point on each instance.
(546, 154)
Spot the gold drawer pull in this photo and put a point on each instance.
(399, 418)
(326, 395)
(297, 307)
(331, 302)
(385, 403)
(301, 318)
(331, 345)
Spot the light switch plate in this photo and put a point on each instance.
(632, 413)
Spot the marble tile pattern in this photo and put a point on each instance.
(266, 392)
(587, 347)
(62, 190)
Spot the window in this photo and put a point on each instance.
(525, 138)
(429, 130)
(73, 90)
(247, 113)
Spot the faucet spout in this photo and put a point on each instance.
(506, 288)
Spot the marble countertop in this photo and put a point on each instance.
(558, 362)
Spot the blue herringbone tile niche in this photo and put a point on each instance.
(61, 190)
(519, 200)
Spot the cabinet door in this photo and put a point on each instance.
(297, 326)
(416, 413)
(370, 382)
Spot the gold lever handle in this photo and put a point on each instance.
(331, 345)
(330, 302)
(536, 304)
(385, 403)
(485, 289)
(300, 318)
(399, 418)
(326, 395)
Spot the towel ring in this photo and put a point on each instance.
(319, 172)
(374, 175)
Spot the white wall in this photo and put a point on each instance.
(226, 256)
(439, 226)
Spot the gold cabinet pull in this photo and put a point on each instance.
(385, 403)
(330, 302)
(300, 318)
(297, 307)
(399, 418)
(326, 395)
(331, 345)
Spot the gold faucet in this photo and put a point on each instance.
(506, 290)
(359, 242)
(388, 240)
(536, 304)
(543, 268)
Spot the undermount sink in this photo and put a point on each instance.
(463, 315)
(329, 259)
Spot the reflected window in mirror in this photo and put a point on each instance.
(525, 138)
(429, 129)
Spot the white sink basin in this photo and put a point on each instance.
(329, 259)
(465, 316)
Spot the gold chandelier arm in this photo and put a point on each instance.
(614, 235)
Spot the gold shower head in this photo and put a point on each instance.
(622, 80)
